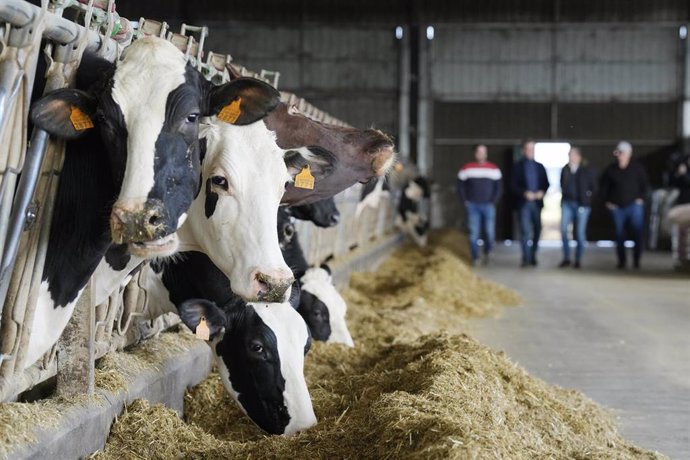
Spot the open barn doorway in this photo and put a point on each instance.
(553, 155)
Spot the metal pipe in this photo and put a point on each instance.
(20, 13)
(25, 190)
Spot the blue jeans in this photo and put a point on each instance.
(633, 214)
(481, 217)
(573, 213)
(530, 230)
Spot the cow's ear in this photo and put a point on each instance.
(242, 101)
(65, 113)
(321, 162)
(193, 310)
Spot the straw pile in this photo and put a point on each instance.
(401, 393)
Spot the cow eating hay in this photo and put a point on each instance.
(397, 394)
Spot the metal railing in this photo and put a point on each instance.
(30, 170)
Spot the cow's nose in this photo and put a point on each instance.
(134, 223)
(335, 218)
(271, 286)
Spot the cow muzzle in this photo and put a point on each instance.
(271, 286)
(143, 226)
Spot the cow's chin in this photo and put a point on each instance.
(162, 247)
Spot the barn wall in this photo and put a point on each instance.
(349, 71)
(588, 84)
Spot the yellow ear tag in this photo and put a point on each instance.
(231, 112)
(79, 119)
(304, 179)
(202, 331)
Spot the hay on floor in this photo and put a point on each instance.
(405, 391)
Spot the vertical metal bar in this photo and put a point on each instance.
(25, 190)
(424, 105)
(404, 94)
(685, 110)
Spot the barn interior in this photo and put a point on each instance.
(441, 77)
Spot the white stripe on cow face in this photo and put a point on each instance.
(292, 335)
(319, 283)
(235, 224)
(150, 71)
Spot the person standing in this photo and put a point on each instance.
(578, 184)
(529, 184)
(624, 186)
(479, 188)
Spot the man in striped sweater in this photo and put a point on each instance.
(479, 188)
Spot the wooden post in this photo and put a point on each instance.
(76, 350)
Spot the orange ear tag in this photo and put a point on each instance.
(304, 179)
(231, 112)
(79, 119)
(202, 331)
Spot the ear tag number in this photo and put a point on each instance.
(304, 179)
(79, 119)
(231, 112)
(202, 331)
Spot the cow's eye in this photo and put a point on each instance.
(193, 117)
(289, 230)
(256, 348)
(220, 181)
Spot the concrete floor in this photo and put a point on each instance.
(622, 338)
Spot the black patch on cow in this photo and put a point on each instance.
(117, 256)
(322, 213)
(177, 158)
(211, 199)
(290, 247)
(316, 315)
(80, 230)
(203, 145)
(249, 350)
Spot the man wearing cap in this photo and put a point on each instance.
(624, 186)
(529, 184)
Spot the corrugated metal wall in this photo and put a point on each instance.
(590, 84)
(349, 71)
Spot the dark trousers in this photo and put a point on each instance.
(530, 230)
(633, 215)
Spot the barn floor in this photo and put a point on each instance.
(623, 338)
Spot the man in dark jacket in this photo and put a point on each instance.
(479, 188)
(529, 184)
(578, 184)
(624, 187)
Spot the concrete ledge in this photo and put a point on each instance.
(83, 426)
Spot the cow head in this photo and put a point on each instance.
(147, 108)
(344, 156)
(259, 349)
(233, 219)
(323, 308)
(323, 213)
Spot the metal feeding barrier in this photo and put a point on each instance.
(30, 171)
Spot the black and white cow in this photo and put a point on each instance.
(259, 347)
(410, 219)
(320, 304)
(132, 178)
(323, 213)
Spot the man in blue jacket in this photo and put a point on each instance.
(479, 188)
(529, 184)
